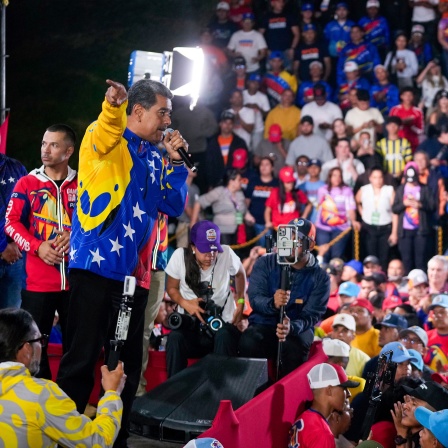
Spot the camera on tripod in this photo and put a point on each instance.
(212, 315)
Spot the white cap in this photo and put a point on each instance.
(416, 277)
(317, 63)
(350, 66)
(206, 442)
(223, 5)
(373, 4)
(346, 320)
(418, 29)
(335, 347)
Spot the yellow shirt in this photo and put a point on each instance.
(356, 362)
(287, 117)
(368, 342)
(356, 390)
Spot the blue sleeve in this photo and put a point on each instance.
(386, 31)
(174, 191)
(375, 56)
(364, 84)
(299, 98)
(340, 67)
(393, 97)
(427, 52)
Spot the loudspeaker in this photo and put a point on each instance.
(184, 406)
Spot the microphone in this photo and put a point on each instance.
(183, 154)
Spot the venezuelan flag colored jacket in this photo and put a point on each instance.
(36, 413)
(123, 184)
(37, 208)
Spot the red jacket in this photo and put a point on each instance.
(37, 208)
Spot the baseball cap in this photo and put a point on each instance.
(227, 115)
(436, 422)
(206, 442)
(254, 77)
(418, 331)
(379, 277)
(248, 16)
(315, 162)
(286, 174)
(418, 29)
(373, 4)
(239, 60)
(205, 235)
(323, 375)
(418, 363)
(393, 320)
(275, 133)
(416, 277)
(223, 5)
(307, 7)
(346, 320)
(391, 302)
(399, 352)
(356, 265)
(439, 378)
(304, 228)
(371, 259)
(342, 5)
(433, 393)
(335, 347)
(309, 27)
(439, 300)
(316, 63)
(350, 66)
(276, 54)
(307, 119)
(319, 91)
(239, 158)
(349, 289)
(364, 303)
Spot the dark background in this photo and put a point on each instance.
(61, 52)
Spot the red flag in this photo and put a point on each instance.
(3, 135)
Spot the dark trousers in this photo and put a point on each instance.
(184, 343)
(376, 242)
(42, 306)
(92, 319)
(260, 341)
(414, 250)
(338, 249)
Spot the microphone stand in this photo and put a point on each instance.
(285, 284)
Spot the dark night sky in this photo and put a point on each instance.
(61, 52)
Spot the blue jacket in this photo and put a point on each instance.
(337, 36)
(306, 91)
(310, 290)
(364, 54)
(11, 171)
(392, 98)
(376, 31)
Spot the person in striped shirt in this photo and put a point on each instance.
(396, 151)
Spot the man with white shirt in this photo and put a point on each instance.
(244, 121)
(322, 112)
(248, 43)
(308, 144)
(351, 167)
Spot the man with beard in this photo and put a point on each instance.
(304, 302)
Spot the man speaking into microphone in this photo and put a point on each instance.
(123, 183)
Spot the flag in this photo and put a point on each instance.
(3, 135)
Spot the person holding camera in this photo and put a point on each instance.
(198, 280)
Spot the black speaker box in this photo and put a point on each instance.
(184, 406)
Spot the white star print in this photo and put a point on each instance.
(3, 182)
(151, 164)
(11, 180)
(138, 212)
(97, 258)
(152, 177)
(116, 246)
(129, 231)
(155, 154)
(72, 253)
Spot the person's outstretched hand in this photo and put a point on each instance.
(116, 94)
(115, 379)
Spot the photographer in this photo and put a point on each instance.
(198, 280)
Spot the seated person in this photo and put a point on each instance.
(37, 411)
(434, 432)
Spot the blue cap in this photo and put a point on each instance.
(356, 265)
(399, 352)
(393, 320)
(436, 422)
(254, 77)
(309, 27)
(248, 15)
(307, 7)
(206, 442)
(439, 300)
(316, 162)
(276, 54)
(418, 364)
(342, 5)
(349, 289)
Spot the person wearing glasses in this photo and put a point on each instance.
(46, 414)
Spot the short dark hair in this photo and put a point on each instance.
(144, 92)
(70, 134)
(363, 95)
(407, 89)
(16, 326)
(343, 139)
